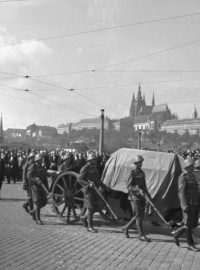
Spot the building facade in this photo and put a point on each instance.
(182, 126)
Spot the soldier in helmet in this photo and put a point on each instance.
(197, 165)
(28, 205)
(137, 200)
(189, 200)
(37, 178)
(88, 178)
(67, 164)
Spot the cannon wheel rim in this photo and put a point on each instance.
(68, 202)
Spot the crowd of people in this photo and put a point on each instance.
(12, 162)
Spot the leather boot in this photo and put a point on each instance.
(90, 222)
(125, 231)
(193, 248)
(91, 229)
(142, 236)
(188, 233)
(25, 206)
(176, 235)
(84, 221)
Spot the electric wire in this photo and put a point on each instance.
(152, 54)
(106, 28)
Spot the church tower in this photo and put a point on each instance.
(195, 114)
(1, 130)
(143, 100)
(153, 100)
(133, 107)
(139, 101)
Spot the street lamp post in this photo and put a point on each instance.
(139, 138)
(101, 139)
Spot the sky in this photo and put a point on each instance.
(62, 61)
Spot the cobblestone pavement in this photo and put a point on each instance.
(27, 246)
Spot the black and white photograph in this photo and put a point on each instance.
(100, 134)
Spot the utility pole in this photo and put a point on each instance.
(139, 138)
(101, 138)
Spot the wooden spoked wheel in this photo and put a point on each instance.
(67, 195)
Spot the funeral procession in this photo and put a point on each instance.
(100, 135)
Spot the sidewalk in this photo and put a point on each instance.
(27, 246)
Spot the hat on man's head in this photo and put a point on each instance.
(66, 156)
(31, 156)
(38, 157)
(138, 158)
(188, 162)
(91, 156)
(197, 163)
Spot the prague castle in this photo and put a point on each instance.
(148, 117)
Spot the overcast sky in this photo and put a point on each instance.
(102, 49)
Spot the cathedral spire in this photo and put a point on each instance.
(195, 114)
(153, 100)
(143, 100)
(132, 108)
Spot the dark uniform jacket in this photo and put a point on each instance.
(25, 182)
(36, 173)
(137, 180)
(90, 173)
(188, 190)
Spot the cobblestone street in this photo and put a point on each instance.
(25, 245)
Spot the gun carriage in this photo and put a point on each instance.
(162, 171)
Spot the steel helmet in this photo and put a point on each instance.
(66, 156)
(197, 163)
(138, 158)
(188, 162)
(38, 157)
(31, 155)
(91, 156)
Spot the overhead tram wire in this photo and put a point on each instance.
(115, 71)
(107, 28)
(63, 105)
(31, 91)
(72, 90)
(152, 54)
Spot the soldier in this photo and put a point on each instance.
(28, 205)
(67, 164)
(88, 178)
(197, 165)
(37, 178)
(2, 171)
(189, 200)
(137, 199)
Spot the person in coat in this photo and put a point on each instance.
(189, 201)
(28, 205)
(2, 171)
(137, 199)
(88, 179)
(67, 164)
(37, 178)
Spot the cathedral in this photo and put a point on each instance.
(138, 105)
(148, 117)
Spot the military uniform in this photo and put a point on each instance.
(28, 205)
(90, 173)
(35, 174)
(137, 200)
(190, 201)
(88, 179)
